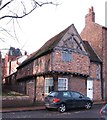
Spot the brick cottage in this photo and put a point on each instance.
(65, 62)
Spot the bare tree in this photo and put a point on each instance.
(12, 10)
(22, 10)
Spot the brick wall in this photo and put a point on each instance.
(40, 88)
(93, 34)
(95, 69)
(25, 71)
(105, 62)
(79, 63)
(42, 64)
(77, 84)
(30, 88)
(16, 101)
(97, 90)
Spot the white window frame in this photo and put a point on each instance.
(48, 84)
(62, 84)
(98, 72)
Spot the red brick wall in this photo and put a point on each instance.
(42, 64)
(97, 90)
(96, 81)
(40, 81)
(93, 70)
(74, 83)
(25, 71)
(93, 34)
(105, 60)
(79, 63)
(78, 84)
(30, 88)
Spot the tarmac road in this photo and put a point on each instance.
(75, 114)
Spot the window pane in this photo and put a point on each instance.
(66, 94)
(66, 56)
(75, 95)
(62, 84)
(48, 85)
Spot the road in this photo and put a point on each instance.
(75, 113)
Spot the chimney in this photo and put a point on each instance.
(90, 17)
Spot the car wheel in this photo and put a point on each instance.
(88, 105)
(62, 108)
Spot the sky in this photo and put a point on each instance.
(47, 21)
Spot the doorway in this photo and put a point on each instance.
(90, 89)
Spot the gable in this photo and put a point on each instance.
(72, 41)
(46, 48)
(68, 38)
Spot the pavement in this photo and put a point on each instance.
(19, 109)
(31, 108)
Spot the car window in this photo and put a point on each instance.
(66, 94)
(53, 94)
(75, 94)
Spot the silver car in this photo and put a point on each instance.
(103, 112)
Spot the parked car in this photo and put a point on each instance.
(103, 112)
(63, 100)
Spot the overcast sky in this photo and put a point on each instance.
(49, 20)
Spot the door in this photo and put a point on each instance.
(90, 89)
(67, 98)
(77, 99)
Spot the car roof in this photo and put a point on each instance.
(65, 91)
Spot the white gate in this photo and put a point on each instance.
(90, 89)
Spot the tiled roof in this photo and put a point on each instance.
(93, 56)
(46, 48)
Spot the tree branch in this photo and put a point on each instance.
(24, 12)
(6, 4)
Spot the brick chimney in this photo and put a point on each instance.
(90, 17)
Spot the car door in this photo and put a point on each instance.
(67, 99)
(77, 99)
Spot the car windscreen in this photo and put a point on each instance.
(53, 94)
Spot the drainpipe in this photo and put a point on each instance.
(102, 84)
